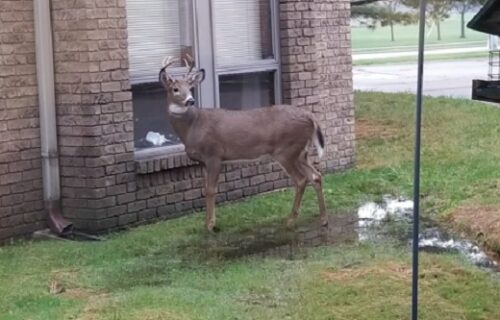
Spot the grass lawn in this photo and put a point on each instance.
(163, 271)
(365, 40)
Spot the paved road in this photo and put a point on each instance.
(441, 78)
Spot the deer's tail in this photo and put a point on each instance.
(318, 139)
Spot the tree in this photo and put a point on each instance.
(385, 13)
(464, 6)
(364, 9)
(395, 16)
(437, 11)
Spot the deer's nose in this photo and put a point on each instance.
(190, 102)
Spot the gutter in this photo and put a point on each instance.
(48, 128)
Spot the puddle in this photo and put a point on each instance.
(279, 241)
(389, 220)
(393, 218)
(435, 240)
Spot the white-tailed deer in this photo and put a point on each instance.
(214, 136)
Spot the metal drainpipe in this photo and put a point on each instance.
(48, 128)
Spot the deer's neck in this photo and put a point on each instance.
(181, 119)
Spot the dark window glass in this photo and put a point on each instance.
(151, 127)
(246, 91)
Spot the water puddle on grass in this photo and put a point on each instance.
(389, 220)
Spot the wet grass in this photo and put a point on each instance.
(461, 147)
(163, 271)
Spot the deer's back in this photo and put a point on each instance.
(250, 134)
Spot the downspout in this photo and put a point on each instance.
(48, 127)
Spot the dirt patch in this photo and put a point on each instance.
(369, 129)
(65, 282)
(152, 314)
(480, 222)
(80, 293)
(396, 272)
(96, 304)
(61, 280)
(392, 270)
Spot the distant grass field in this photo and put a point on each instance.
(365, 40)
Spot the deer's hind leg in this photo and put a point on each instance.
(300, 182)
(314, 177)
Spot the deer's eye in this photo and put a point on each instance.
(176, 90)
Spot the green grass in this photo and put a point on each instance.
(379, 40)
(164, 271)
(461, 151)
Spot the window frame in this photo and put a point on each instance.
(209, 92)
(264, 65)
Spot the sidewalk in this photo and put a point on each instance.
(384, 55)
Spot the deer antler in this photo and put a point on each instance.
(166, 63)
(189, 62)
(169, 60)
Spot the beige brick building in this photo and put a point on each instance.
(109, 106)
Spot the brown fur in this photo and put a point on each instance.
(220, 133)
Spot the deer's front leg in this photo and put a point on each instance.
(212, 170)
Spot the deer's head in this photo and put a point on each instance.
(179, 94)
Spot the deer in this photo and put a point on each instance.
(217, 136)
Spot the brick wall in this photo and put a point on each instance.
(94, 110)
(317, 71)
(21, 203)
(104, 186)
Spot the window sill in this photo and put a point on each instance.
(161, 159)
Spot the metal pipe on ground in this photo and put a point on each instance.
(48, 129)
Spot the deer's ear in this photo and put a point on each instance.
(165, 79)
(197, 78)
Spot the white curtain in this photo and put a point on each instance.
(237, 32)
(154, 31)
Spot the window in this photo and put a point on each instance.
(247, 90)
(151, 128)
(245, 53)
(242, 31)
(156, 29)
(234, 41)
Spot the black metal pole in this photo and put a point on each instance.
(416, 177)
